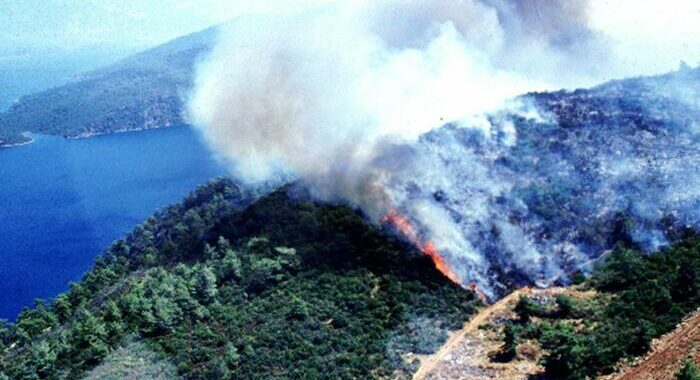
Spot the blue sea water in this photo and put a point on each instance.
(62, 202)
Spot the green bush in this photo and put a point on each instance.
(689, 371)
(640, 297)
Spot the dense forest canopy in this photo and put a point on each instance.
(280, 288)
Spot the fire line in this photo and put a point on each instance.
(404, 226)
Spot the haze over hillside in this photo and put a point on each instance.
(27, 73)
(140, 92)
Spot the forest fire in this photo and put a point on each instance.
(406, 228)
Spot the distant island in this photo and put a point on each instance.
(143, 91)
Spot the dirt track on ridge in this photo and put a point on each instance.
(465, 354)
(668, 353)
(431, 365)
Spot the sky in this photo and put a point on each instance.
(69, 25)
(670, 27)
(58, 38)
(651, 35)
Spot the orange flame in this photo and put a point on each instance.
(405, 227)
(431, 251)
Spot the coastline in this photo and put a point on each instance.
(88, 135)
(17, 144)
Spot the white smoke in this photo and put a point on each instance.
(338, 95)
(289, 92)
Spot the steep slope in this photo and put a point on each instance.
(599, 329)
(668, 354)
(551, 183)
(278, 288)
(609, 321)
(142, 91)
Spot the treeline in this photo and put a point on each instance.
(639, 297)
(225, 289)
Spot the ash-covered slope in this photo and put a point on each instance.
(557, 180)
(142, 91)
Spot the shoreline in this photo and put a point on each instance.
(84, 136)
(118, 131)
(17, 144)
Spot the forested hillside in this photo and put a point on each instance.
(637, 298)
(140, 92)
(223, 289)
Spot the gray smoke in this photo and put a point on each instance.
(339, 96)
(615, 163)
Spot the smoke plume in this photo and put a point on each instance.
(340, 95)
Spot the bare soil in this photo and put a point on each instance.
(668, 353)
(466, 354)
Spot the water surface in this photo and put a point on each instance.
(62, 202)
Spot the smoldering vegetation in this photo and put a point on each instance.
(538, 196)
(352, 101)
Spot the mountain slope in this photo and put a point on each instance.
(593, 329)
(139, 92)
(280, 288)
(561, 177)
(589, 331)
(669, 353)
(465, 355)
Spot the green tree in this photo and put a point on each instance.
(6, 335)
(112, 317)
(622, 269)
(210, 253)
(298, 309)
(687, 284)
(62, 308)
(689, 371)
(223, 245)
(566, 352)
(205, 283)
(89, 339)
(565, 306)
(219, 370)
(508, 351)
(43, 358)
(230, 267)
(525, 309)
(231, 355)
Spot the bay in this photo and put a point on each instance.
(62, 202)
